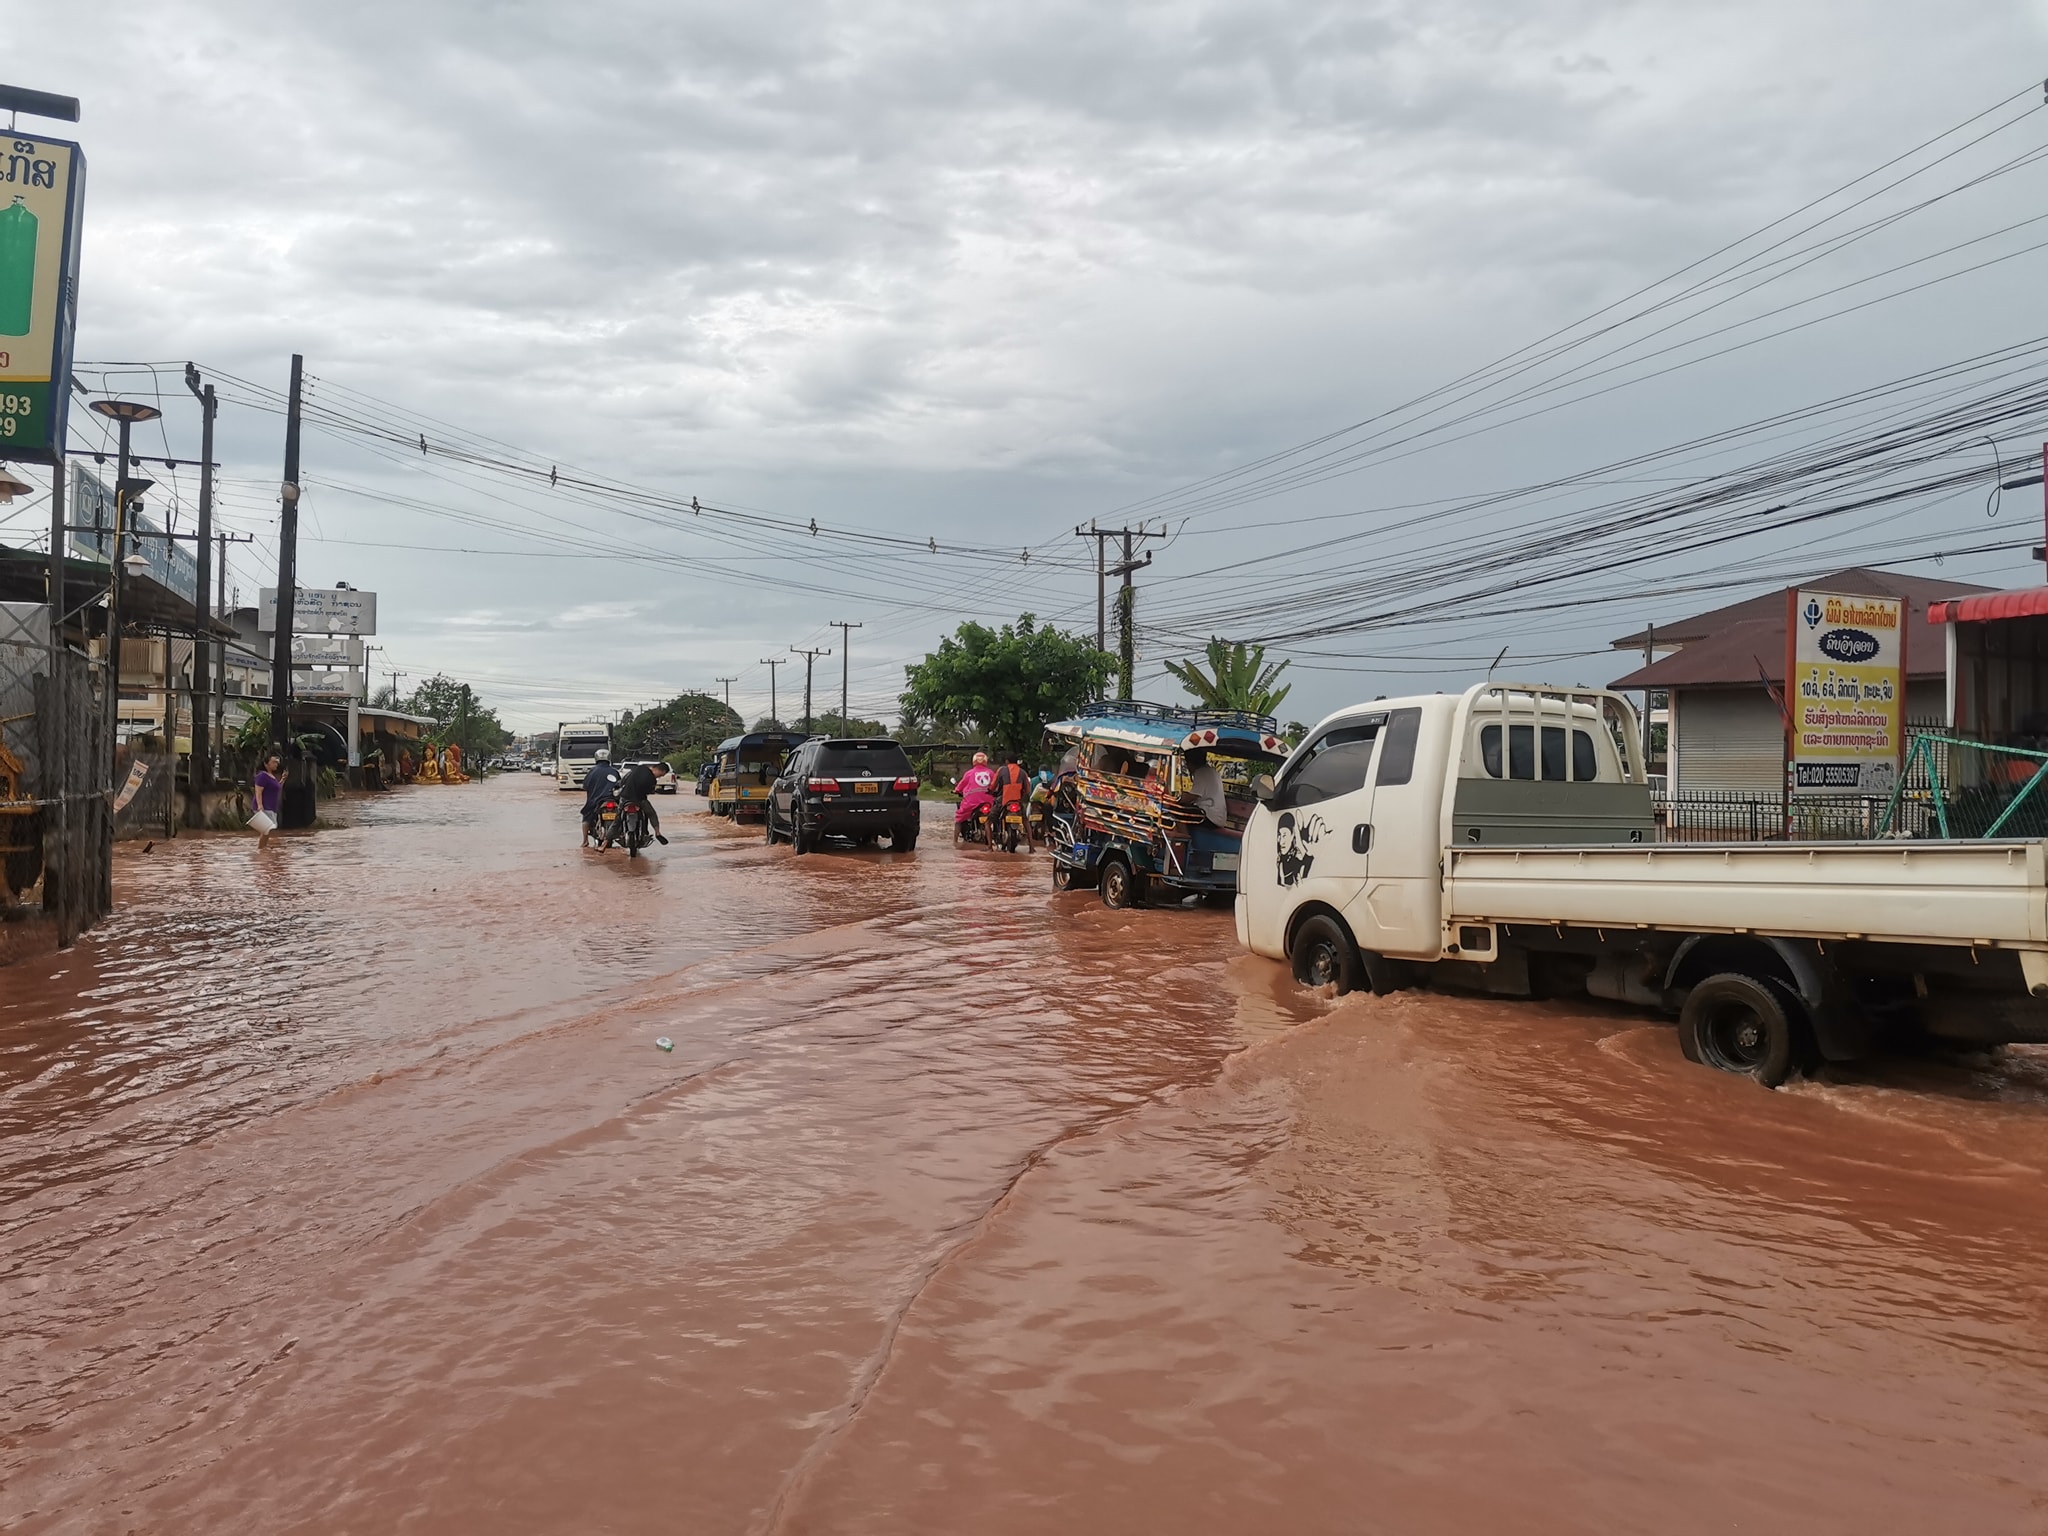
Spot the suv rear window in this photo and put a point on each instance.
(883, 759)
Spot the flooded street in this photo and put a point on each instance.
(345, 1189)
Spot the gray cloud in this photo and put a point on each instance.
(965, 269)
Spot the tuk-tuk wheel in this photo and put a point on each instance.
(1122, 886)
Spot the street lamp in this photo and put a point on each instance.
(125, 414)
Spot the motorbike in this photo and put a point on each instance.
(627, 827)
(1013, 827)
(978, 827)
(623, 824)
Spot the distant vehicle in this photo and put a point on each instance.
(860, 788)
(1504, 840)
(576, 747)
(664, 776)
(743, 769)
(705, 774)
(1152, 799)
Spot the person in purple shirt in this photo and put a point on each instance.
(270, 792)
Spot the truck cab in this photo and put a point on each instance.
(1355, 823)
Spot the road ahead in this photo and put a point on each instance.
(346, 1190)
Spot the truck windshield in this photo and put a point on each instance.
(583, 746)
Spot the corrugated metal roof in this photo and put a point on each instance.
(1990, 605)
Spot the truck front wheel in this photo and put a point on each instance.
(1323, 955)
(1737, 1023)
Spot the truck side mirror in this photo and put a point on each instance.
(1262, 788)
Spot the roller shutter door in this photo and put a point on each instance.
(1728, 740)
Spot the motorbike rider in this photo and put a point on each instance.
(637, 787)
(599, 785)
(974, 789)
(1011, 787)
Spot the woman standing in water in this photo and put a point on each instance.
(269, 797)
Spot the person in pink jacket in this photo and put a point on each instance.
(975, 790)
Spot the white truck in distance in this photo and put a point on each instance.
(1503, 841)
(576, 748)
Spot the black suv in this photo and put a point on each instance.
(860, 788)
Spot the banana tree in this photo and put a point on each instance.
(1239, 677)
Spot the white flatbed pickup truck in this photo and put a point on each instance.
(1504, 841)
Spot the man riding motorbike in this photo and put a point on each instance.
(1010, 789)
(974, 790)
(637, 788)
(599, 785)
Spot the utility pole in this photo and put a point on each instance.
(200, 779)
(287, 568)
(845, 653)
(366, 668)
(771, 664)
(1127, 598)
(126, 487)
(395, 676)
(810, 660)
(728, 682)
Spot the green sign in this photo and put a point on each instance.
(41, 184)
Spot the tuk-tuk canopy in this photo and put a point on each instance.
(1162, 728)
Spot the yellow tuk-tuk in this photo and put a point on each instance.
(744, 769)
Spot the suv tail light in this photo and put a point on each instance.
(909, 784)
(822, 786)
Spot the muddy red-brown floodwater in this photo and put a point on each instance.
(343, 1187)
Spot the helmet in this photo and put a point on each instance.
(604, 754)
(980, 758)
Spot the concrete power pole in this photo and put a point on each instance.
(771, 664)
(810, 660)
(845, 652)
(1127, 597)
(287, 568)
(200, 779)
(728, 682)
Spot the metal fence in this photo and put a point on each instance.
(1712, 817)
(55, 818)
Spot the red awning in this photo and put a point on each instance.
(1989, 605)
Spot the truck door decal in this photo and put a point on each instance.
(1293, 857)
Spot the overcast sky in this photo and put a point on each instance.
(970, 273)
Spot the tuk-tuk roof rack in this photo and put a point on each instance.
(1138, 709)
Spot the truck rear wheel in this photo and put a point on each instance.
(1742, 1024)
(1323, 955)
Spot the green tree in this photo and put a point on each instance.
(852, 726)
(688, 726)
(1239, 677)
(1005, 683)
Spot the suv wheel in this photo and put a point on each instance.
(801, 836)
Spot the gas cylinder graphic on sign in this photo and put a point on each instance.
(17, 269)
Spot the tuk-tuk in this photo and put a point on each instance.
(744, 768)
(1154, 799)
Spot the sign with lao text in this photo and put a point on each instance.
(171, 561)
(41, 184)
(1845, 692)
(327, 685)
(327, 651)
(322, 611)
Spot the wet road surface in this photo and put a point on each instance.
(342, 1188)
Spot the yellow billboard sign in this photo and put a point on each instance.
(1845, 692)
(41, 182)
